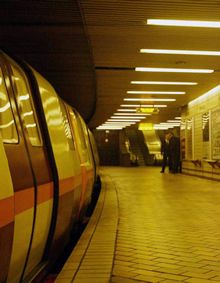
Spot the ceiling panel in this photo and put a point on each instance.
(117, 31)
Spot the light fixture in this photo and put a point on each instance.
(126, 110)
(127, 117)
(108, 128)
(184, 23)
(170, 124)
(143, 105)
(182, 52)
(131, 114)
(124, 120)
(149, 99)
(173, 70)
(162, 83)
(116, 122)
(155, 92)
(160, 106)
(149, 110)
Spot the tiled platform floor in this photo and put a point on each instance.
(149, 227)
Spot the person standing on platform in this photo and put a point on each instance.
(165, 151)
(174, 143)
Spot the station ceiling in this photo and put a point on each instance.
(89, 49)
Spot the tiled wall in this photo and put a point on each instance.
(198, 166)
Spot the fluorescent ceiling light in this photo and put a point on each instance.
(107, 128)
(136, 105)
(115, 122)
(131, 114)
(127, 117)
(173, 70)
(155, 92)
(160, 106)
(183, 23)
(183, 52)
(162, 83)
(177, 118)
(124, 120)
(149, 99)
(170, 124)
(173, 121)
(127, 110)
(143, 105)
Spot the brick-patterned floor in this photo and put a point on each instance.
(167, 230)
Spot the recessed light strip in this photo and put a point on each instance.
(116, 122)
(131, 114)
(183, 23)
(173, 70)
(124, 120)
(126, 110)
(149, 99)
(109, 128)
(162, 83)
(127, 117)
(183, 52)
(156, 92)
(142, 105)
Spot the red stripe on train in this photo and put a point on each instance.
(6, 211)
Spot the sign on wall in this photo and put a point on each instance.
(205, 135)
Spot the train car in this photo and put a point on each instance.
(48, 172)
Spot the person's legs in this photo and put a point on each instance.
(164, 163)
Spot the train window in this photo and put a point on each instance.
(7, 123)
(25, 106)
(81, 133)
(66, 125)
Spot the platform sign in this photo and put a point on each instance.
(215, 115)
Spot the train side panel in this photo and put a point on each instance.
(21, 175)
(67, 162)
(6, 214)
(87, 166)
(90, 168)
(39, 162)
(50, 175)
(95, 155)
(30, 175)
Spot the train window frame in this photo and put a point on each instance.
(37, 140)
(15, 140)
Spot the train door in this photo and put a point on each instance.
(39, 191)
(89, 164)
(84, 160)
(22, 179)
(6, 200)
(67, 164)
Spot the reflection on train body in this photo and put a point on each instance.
(48, 172)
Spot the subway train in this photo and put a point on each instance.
(48, 172)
